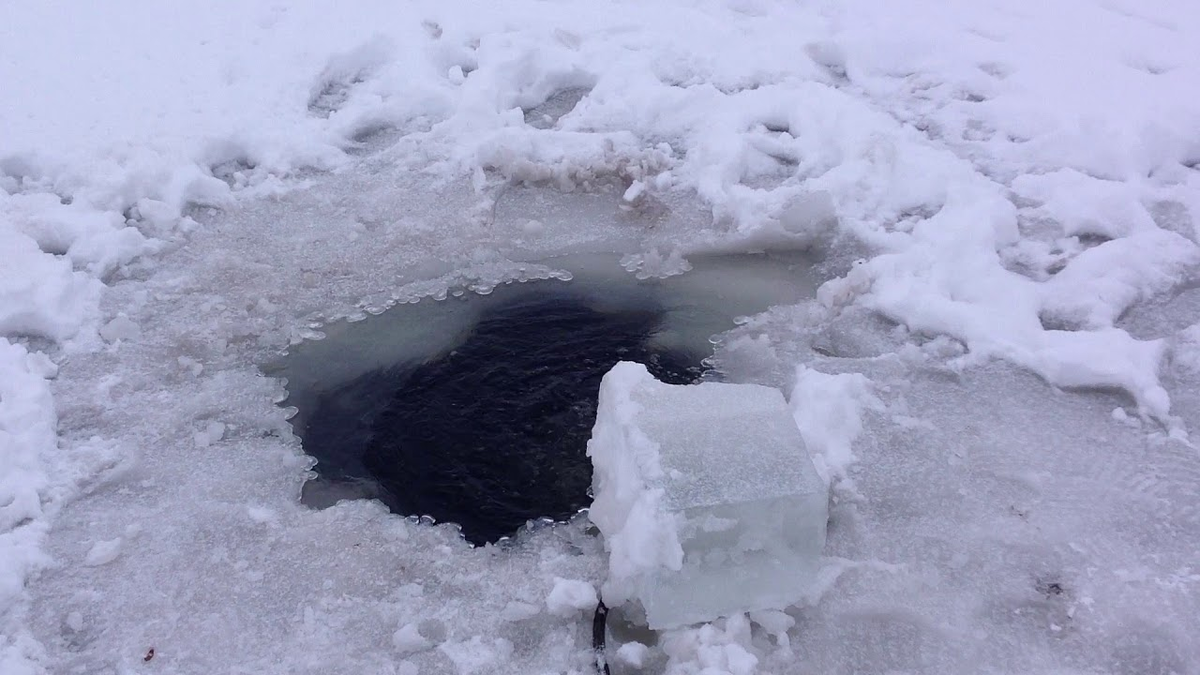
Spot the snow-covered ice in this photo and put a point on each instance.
(1001, 200)
(707, 500)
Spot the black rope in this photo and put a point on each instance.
(599, 625)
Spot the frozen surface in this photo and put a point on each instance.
(1004, 391)
(706, 497)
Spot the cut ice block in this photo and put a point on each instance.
(706, 497)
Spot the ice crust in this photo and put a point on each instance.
(1010, 173)
(706, 497)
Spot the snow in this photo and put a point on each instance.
(571, 596)
(641, 532)
(1001, 199)
(408, 639)
(705, 496)
(211, 433)
(476, 654)
(120, 328)
(632, 653)
(103, 552)
(27, 441)
(519, 611)
(720, 647)
(828, 410)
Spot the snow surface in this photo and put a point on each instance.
(1003, 197)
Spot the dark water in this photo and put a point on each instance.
(476, 409)
(493, 433)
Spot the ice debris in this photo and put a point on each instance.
(571, 596)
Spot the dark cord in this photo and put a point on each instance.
(599, 625)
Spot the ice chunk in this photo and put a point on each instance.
(103, 552)
(632, 653)
(120, 328)
(706, 497)
(212, 432)
(408, 639)
(570, 597)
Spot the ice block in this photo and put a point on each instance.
(706, 497)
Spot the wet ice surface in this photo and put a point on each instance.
(1025, 520)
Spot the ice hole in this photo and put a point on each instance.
(476, 409)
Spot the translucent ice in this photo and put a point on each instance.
(706, 497)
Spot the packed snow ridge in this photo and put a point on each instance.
(999, 375)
